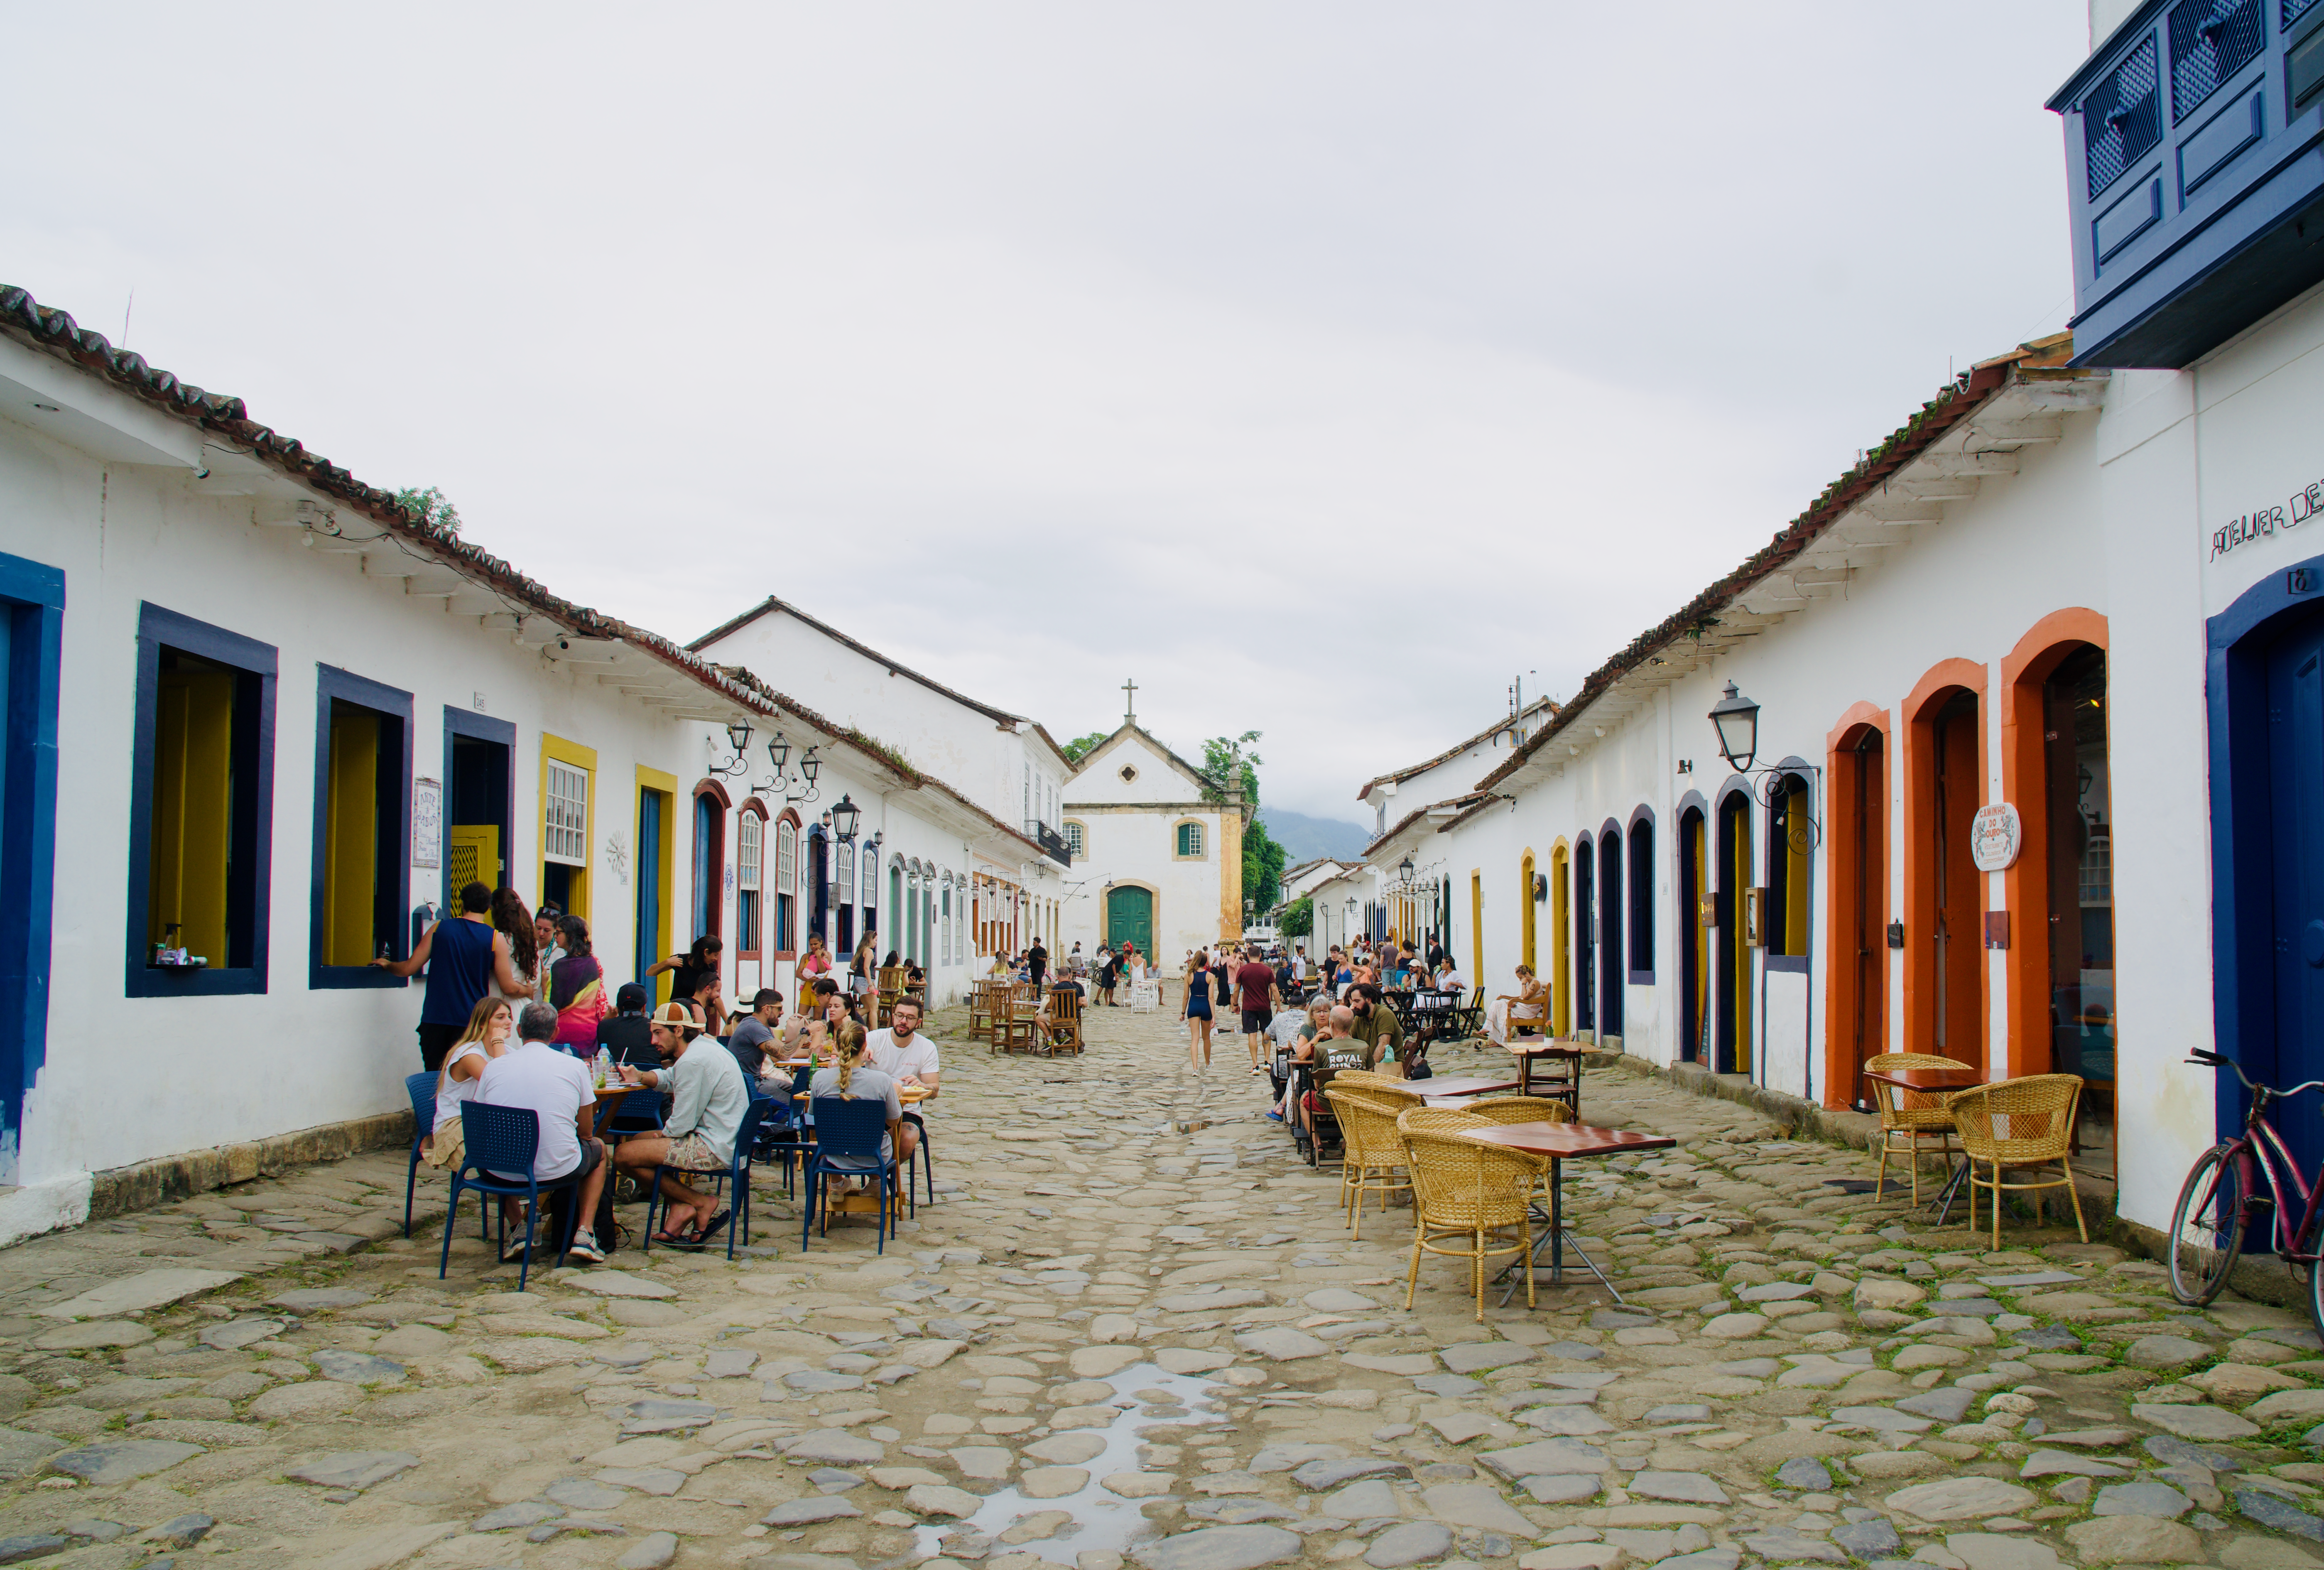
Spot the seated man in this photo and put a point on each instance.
(627, 1035)
(708, 1100)
(900, 1052)
(754, 1033)
(560, 1092)
(1375, 1025)
(1328, 1053)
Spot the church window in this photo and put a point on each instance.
(1190, 839)
(1128, 772)
(1075, 839)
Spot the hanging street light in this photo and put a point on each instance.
(1736, 718)
(844, 819)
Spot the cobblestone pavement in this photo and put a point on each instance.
(1134, 1327)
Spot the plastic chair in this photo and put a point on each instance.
(2019, 1123)
(421, 1088)
(783, 1137)
(503, 1139)
(921, 1152)
(638, 1112)
(736, 1178)
(1912, 1115)
(847, 1135)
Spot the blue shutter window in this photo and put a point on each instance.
(2121, 122)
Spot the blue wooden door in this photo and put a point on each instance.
(1585, 937)
(648, 943)
(2296, 786)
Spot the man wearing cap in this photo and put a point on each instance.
(708, 1098)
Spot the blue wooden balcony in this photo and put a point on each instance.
(2195, 173)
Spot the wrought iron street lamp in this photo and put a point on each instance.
(844, 819)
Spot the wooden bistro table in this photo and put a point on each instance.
(1527, 1049)
(1561, 1142)
(1447, 1088)
(1935, 1082)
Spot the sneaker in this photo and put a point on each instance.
(584, 1249)
(514, 1254)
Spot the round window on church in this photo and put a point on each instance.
(1128, 772)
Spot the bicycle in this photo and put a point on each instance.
(2215, 1203)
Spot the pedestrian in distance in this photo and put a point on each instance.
(1195, 1015)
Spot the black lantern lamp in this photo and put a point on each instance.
(844, 819)
(738, 736)
(809, 767)
(779, 754)
(1737, 720)
(1403, 873)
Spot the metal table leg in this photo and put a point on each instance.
(1553, 1239)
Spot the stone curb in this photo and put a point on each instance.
(167, 1178)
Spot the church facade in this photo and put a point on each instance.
(1156, 860)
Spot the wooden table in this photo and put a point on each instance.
(1450, 1086)
(1934, 1082)
(1525, 1048)
(1560, 1142)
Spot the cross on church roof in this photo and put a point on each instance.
(1129, 705)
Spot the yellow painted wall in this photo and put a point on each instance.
(193, 742)
(1230, 876)
(351, 836)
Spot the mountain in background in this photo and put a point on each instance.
(1304, 838)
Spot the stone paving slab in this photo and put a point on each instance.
(1134, 1328)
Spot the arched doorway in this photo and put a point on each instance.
(1944, 894)
(1525, 911)
(1130, 915)
(1561, 899)
(1585, 933)
(1613, 979)
(1697, 915)
(1855, 1018)
(1731, 974)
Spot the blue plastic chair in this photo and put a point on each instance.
(920, 1153)
(783, 1134)
(504, 1139)
(847, 1135)
(638, 1112)
(421, 1088)
(736, 1178)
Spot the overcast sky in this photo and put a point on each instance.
(1322, 365)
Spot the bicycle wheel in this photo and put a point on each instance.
(2207, 1229)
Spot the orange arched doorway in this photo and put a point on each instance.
(1856, 938)
(1943, 766)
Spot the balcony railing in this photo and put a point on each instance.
(1051, 841)
(2195, 175)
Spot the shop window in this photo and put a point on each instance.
(566, 773)
(201, 790)
(363, 812)
(1791, 845)
(750, 841)
(786, 887)
(1190, 841)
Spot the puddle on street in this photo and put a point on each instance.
(1098, 1519)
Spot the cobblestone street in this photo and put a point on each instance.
(1134, 1328)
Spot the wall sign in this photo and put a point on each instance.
(2261, 521)
(426, 823)
(1995, 836)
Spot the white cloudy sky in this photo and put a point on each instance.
(1322, 364)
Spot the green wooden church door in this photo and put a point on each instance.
(1129, 914)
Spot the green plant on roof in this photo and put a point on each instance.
(429, 507)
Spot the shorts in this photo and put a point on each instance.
(435, 1041)
(1255, 1022)
(1198, 1008)
(693, 1153)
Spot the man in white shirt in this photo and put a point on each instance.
(708, 1100)
(905, 1055)
(559, 1091)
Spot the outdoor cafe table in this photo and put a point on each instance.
(1935, 1082)
(1454, 1086)
(1561, 1142)
(1527, 1048)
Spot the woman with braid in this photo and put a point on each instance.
(852, 1078)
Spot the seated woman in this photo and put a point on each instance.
(1523, 1013)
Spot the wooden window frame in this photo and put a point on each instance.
(392, 875)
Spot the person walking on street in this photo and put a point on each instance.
(470, 959)
(1109, 967)
(1195, 1015)
(1256, 983)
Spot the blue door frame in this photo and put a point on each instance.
(33, 600)
(2248, 973)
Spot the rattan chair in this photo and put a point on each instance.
(1399, 1091)
(1913, 1116)
(1477, 1194)
(1520, 1109)
(1371, 1151)
(2019, 1123)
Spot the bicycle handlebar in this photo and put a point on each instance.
(2201, 1058)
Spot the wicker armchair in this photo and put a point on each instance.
(2019, 1123)
(1398, 1091)
(1438, 1120)
(1471, 1200)
(1372, 1159)
(1520, 1109)
(1911, 1116)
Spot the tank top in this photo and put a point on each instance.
(459, 971)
